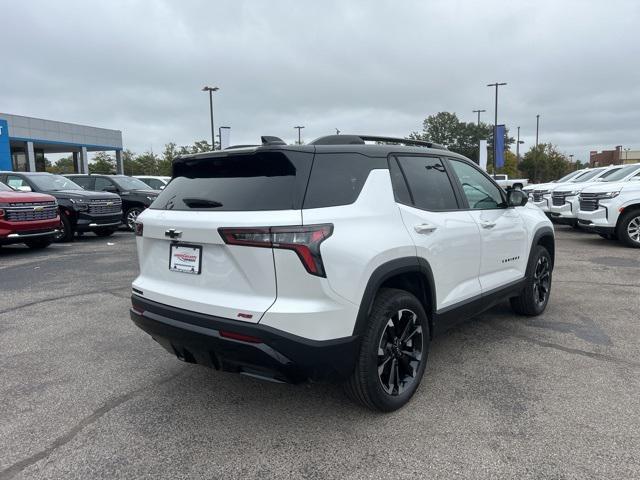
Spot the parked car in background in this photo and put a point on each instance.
(80, 211)
(540, 193)
(29, 218)
(136, 195)
(612, 209)
(333, 260)
(564, 198)
(155, 182)
(505, 182)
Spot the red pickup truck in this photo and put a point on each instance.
(30, 218)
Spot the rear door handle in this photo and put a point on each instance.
(487, 224)
(425, 228)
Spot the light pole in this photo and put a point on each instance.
(518, 143)
(299, 138)
(537, 128)
(479, 112)
(213, 130)
(626, 155)
(495, 125)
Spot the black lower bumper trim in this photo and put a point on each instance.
(597, 229)
(272, 354)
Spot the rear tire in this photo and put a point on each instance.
(534, 298)
(629, 229)
(393, 353)
(37, 244)
(66, 230)
(104, 232)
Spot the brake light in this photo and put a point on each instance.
(1, 213)
(139, 229)
(304, 240)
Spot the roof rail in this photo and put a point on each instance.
(361, 139)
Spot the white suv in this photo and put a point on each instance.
(564, 198)
(540, 193)
(612, 209)
(334, 260)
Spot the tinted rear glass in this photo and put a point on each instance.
(429, 183)
(260, 181)
(337, 178)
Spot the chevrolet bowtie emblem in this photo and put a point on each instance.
(38, 209)
(172, 233)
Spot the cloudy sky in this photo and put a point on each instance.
(362, 66)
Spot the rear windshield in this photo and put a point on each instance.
(258, 181)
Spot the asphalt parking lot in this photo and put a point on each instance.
(85, 394)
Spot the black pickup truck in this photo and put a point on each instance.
(80, 210)
(135, 194)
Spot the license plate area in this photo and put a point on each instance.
(185, 258)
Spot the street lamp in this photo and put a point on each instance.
(495, 125)
(213, 135)
(626, 155)
(299, 138)
(479, 112)
(518, 143)
(537, 128)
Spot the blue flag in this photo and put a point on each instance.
(498, 140)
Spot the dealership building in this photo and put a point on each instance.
(24, 142)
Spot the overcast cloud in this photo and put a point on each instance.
(364, 67)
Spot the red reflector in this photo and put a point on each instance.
(139, 229)
(240, 337)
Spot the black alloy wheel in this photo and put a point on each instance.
(400, 352)
(542, 280)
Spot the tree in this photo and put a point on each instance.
(169, 153)
(102, 163)
(147, 164)
(460, 137)
(545, 163)
(129, 164)
(510, 165)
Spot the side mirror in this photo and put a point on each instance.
(110, 189)
(517, 198)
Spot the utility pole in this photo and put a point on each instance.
(213, 130)
(299, 138)
(537, 128)
(495, 125)
(518, 143)
(479, 112)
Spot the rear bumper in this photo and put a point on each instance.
(267, 353)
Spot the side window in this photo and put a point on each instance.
(399, 183)
(480, 192)
(101, 183)
(337, 178)
(429, 184)
(84, 182)
(17, 182)
(153, 183)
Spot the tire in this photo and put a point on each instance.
(534, 298)
(104, 232)
(396, 314)
(628, 230)
(66, 230)
(130, 217)
(39, 243)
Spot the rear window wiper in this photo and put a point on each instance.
(201, 203)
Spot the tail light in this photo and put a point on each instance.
(304, 240)
(139, 229)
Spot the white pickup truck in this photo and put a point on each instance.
(505, 182)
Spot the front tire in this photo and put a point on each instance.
(629, 229)
(65, 233)
(130, 217)
(534, 298)
(393, 352)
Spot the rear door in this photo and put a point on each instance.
(445, 236)
(184, 261)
